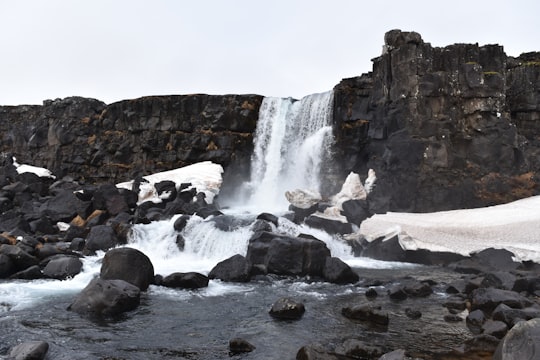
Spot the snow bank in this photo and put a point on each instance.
(39, 171)
(514, 226)
(205, 176)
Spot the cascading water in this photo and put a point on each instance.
(291, 142)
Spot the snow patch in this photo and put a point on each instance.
(39, 171)
(205, 176)
(514, 226)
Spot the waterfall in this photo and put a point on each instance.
(291, 141)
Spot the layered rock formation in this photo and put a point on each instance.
(444, 128)
(92, 141)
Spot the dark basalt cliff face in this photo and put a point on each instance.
(444, 128)
(94, 142)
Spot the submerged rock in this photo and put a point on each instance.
(287, 309)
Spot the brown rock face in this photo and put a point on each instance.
(89, 140)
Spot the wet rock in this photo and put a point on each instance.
(233, 269)
(357, 349)
(62, 267)
(287, 309)
(529, 284)
(300, 214)
(475, 320)
(397, 292)
(512, 316)
(499, 280)
(166, 190)
(521, 342)
(30, 350)
(101, 237)
(20, 258)
(62, 207)
(356, 211)
(366, 312)
(181, 222)
(30, 273)
(268, 217)
(487, 299)
(331, 226)
(452, 318)
(482, 343)
(128, 264)
(336, 271)
(495, 328)
(189, 280)
(285, 255)
(316, 352)
(394, 355)
(106, 298)
(413, 314)
(371, 293)
(6, 266)
(418, 289)
(238, 346)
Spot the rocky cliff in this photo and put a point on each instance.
(95, 142)
(444, 128)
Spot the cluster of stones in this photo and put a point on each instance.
(496, 299)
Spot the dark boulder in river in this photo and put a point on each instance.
(286, 255)
(129, 265)
(106, 298)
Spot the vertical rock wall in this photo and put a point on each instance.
(444, 128)
(94, 142)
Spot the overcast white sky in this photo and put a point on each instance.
(121, 49)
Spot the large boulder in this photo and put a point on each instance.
(62, 267)
(522, 342)
(62, 207)
(234, 269)
(20, 258)
(128, 264)
(336, 271)
(106, 298)
(487, 299)
(101, 237)
(286, 255)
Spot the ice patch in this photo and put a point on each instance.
(205, 176)
(514, 226)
